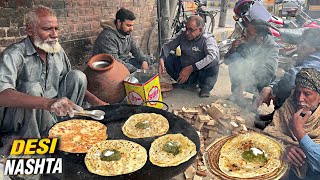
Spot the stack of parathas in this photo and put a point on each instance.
(158, 156)
(225, 157)
(145, 125)
(131, 157)
(77, 135)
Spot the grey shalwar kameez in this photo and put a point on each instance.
(22, 69)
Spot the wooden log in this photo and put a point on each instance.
(234, 124)
(189, 110)
(212, 122)
(198, 125)
(190, 172)
(196, 177)
(201, 173)
(203, 118)
(216, 111)
(240, 119)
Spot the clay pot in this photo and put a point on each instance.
(105, 78)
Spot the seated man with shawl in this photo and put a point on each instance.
(297, 123)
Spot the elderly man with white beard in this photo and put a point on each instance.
(37, 85)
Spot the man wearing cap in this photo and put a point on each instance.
(252, 60)
(308, 57)
(297, 123)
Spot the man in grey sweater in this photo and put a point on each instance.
(116, 40)
(252, 60)
(198, 64)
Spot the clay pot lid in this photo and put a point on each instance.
(101, 62)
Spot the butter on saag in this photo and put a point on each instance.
(110, 155)
(172, 147)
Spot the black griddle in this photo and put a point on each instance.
(116, 115)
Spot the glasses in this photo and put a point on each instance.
(191, 30)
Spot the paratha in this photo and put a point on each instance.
(164, 158)
(233, 162)
(77, 135)
(132, 157)
(145, 125)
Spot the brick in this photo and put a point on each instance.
(72, 13)
(97, 3)
(3, 3)
(3, 32)
(61, 12)
(81, 11)
(86, 26)
(13, 32)
(7, 12)
(17, 20)
(58, 5)
(29, 3)
(22, 31)
(7, 41)
(113, 3)
(11, 4)
(4, 22)
(138, 3)
(89, 11)
(21, 3)
(97, 11)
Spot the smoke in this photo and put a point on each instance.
(254, 67)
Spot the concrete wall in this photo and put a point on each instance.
(79, 22)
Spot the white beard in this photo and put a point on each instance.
(49, 45)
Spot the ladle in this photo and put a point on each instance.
(94, 114)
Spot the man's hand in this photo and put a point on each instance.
(144, 65)
(297, 123)
(265, 97)
(236, 43)
(64, 106)
(295, 155)
(184, 74)
(162, 68)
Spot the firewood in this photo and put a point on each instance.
(210, 127)
(190, 172)
(202, 168)
(212, 122)
(240, 119)
(216, 111)
(244, 127)
(205, 109)
(212, 133)
(198, 125)
(189, 116)
(189, 110)
(234, 124)
(203, 118)
(200, 173)
(175, 112)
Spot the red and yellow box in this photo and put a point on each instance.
(142, 86)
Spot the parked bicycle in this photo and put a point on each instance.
(181, 16)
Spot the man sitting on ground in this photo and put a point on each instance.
(198, 64)
(116, 40)
(252, 60)
(297, 124)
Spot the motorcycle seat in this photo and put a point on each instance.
(291, 36)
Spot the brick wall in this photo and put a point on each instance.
(79, 22)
